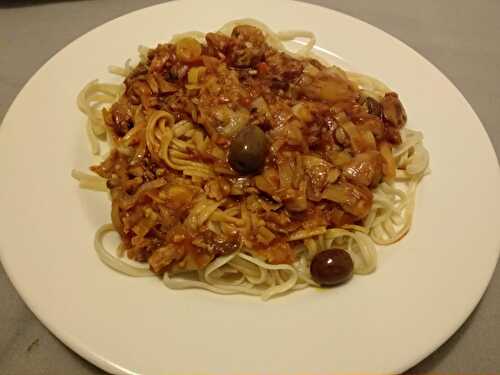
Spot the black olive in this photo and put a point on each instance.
(374, 107)
(332, 267)
(248, 150)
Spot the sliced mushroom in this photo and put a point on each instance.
(354, 199)
(393, 110)
(364, 169)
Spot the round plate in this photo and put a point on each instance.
(425, 285)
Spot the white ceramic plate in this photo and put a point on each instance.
(423, 290)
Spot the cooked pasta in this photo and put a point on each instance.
(239, 166)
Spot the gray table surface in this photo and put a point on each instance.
(460, 37)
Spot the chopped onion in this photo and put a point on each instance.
(311, 161)
(233, 122)
(361, 139)
(195, 73)
(335, 70)
(336, 193)
(260, 105)
(311, 70)
(302, 112)
(306, 233)
(389, 166)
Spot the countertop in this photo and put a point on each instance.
(460, 37)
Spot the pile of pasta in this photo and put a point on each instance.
(233, 162)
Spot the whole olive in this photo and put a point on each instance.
(248, 150)
(332, 267)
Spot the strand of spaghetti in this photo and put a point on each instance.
(129, 136)
(225, 171)
(198, 35)
(272, 280)
(98, 125)
(143, 53)
(164, 150)
(306, 233)
(390, 189)
(300, 286)
(227, 275)
(181, 127)
(180, 163)
(383, 231)
(93, 88)
(181, 145)
(271, 37)
(222, 216)
(201, 212)
(216, 265)
(412, 156)
(180, 155)
(294, 34)
(114, 262)
(381, 211)
(183, 164)
(355, 227)
(110, 138)
(87, 181)
(364, 255)
(274, 39)
(196, 173)
(233, 211)
(418, 162)
(275, 289)
(155, 121)
(277, 277)
(409, 140)
(178, 283)
(311, 246)
(369, 85)
(303, 271)
(95, 149)
(255, 275)
(367, 253)
(392, 235)
(384, 208)
(396, 206)
(246, 268)
(100, 99)
(278, 289)
(207, 212)
(119, 71)
(202, 283)
(122, 71)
